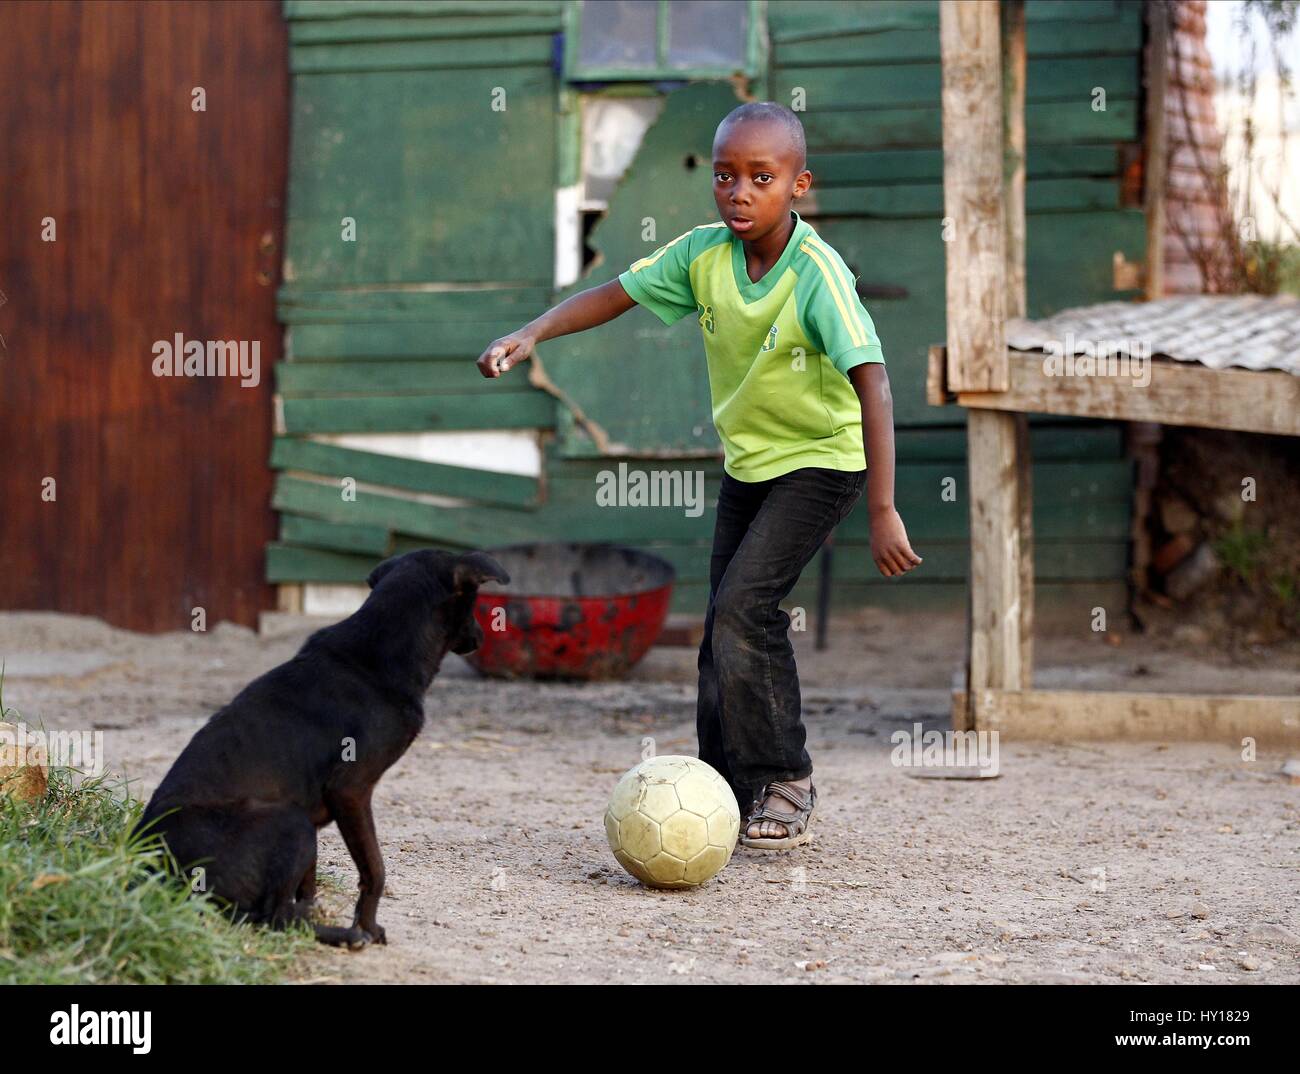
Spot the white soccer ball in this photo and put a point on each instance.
(672, 822)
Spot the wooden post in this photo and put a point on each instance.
(1013, 194)
(970, 38)
(1156, 148)
(970, 45)
(1013, 151)
(288, 598)
(995, 648)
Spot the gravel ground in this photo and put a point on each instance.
(1154, 862)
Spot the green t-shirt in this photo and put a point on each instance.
(778, 350)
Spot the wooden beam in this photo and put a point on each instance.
(1013, 151)
(435, 478)
(995, 651)
(525, 408)
(1025, 564)
(1179, 393)
(1081, 715)
(288, 599)
(970, 48)
(1155, 150)
(1013, 199)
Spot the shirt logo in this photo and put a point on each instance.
(706, 316)
(770, 343)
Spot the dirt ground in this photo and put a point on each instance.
(1089, 863)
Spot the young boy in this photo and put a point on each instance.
(798, 387)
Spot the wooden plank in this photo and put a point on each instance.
(1071, 11)
(854, 567)
(305, 379)
(368, 28)
(945, 561)
(288, 600)
(290, 563)
(334, 536)
(890, 166)
(454, 54)
(1014, 67)
(926, 199)
(890, 85)
(794, 20)
(1072, 557)
(973, 208)
(1096, 442)
(295, 10)
(994, 650)
(929, 519)
(415, 475)
(1090, 715)
(861, 49)
(493, 408)
(428, 304)
(1179, 393)
(1066, 257)
(479, 526)
(1046, 123)
(1155, 147)
(1013, 153)
(342, 340)
(1029, 528)
(1071, 483)
(1065, 601)
(483, 213)
(1119, 36)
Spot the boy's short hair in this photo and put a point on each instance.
(771, 112)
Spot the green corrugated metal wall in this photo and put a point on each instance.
(390, 128)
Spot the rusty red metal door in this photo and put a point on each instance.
(143, 176)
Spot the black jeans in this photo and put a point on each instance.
(748, 716)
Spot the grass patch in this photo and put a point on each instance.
(82, 902)
(1241, 550)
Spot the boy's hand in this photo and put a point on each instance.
(505, 352)
(576, 313)
(889, 546)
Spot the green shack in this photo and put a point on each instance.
(457, 167)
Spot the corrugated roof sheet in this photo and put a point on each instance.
(1250, 331)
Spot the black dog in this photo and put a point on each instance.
(306, 743)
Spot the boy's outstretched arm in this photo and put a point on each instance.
(583, 310)
(889, 546)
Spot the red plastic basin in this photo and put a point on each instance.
(571, 611)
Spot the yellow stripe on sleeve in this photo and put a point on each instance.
(840, 291)
(650, 259)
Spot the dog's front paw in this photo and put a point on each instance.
(366, 934)
(353, 938)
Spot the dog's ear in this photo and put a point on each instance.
(474, 568)
(378, 573)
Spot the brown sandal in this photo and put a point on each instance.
(796, 825)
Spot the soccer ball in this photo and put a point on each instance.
(672, 822)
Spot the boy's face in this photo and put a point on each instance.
(756, 175)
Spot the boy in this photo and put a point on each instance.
(798, 387)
